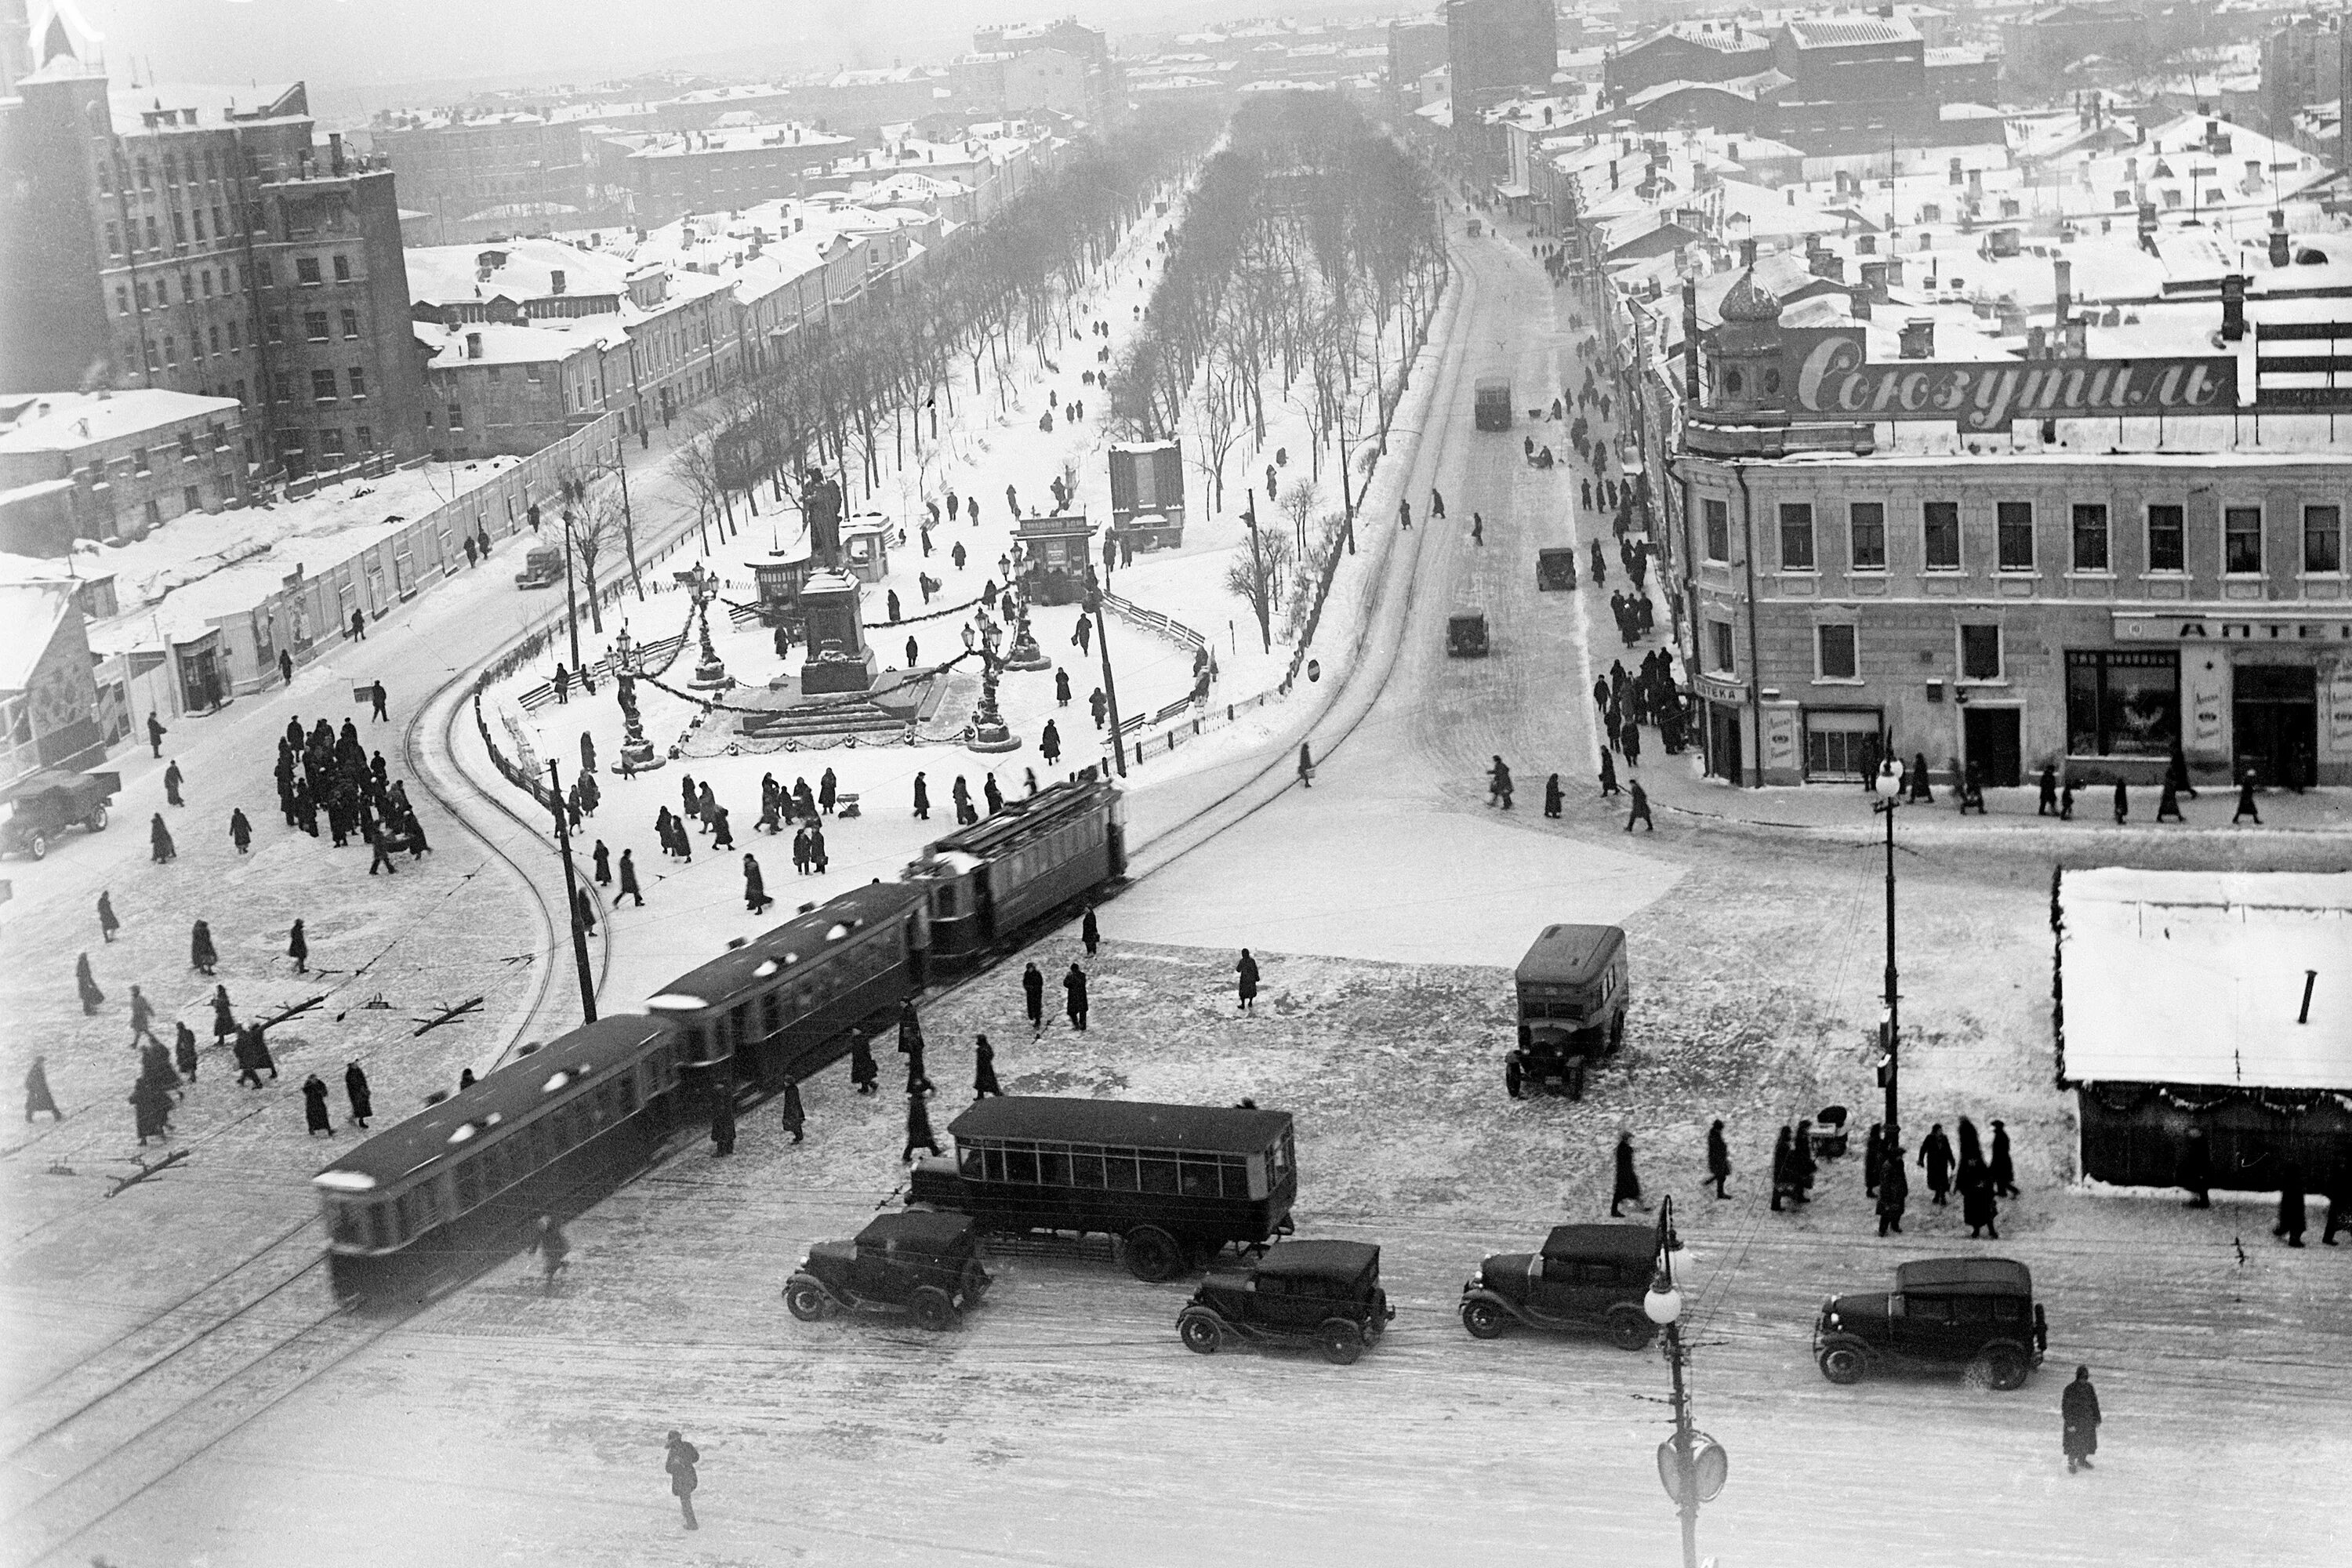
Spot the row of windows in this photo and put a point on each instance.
(1837, 650)
(1110, 1169)
(1053, 850)
(814, 984)
(2089, 537)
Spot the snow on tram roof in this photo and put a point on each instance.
(720, 980)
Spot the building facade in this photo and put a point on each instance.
(132, 461)
(723, 169)
(1497, 49)
(48, 696)
(513, 170)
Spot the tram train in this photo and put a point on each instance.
(429, 1202)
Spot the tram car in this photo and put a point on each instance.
(989, 879)
(428, 1204)
(782, 1004)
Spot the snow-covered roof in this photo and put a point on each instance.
(65, 421)
(2195, 977)
(30, 614)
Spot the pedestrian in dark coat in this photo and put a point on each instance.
(795, 1114)
(755, 886)
(1498, 785)
(2167, 805)
(994, 795)
(1049, 745)
(723, 1126)
(2291, 1217)
(984, 1069)
(1032, 991)
(151, 1109)
(586, 907)
(722, 836)
(2196, 1169)
(1894, 1188)
(159, 839)
(1628, 1188)
(202, 957)
(629, 888)
(355, 1089)
(2078, 1417)
(1608, 774)
(603, 859)
(828, 790)
(1873, 1160)
(1801, 1163)
(1640, 811)
(87, 984)
(2339, 1202)
(172, 780)
(1090, 931)
(248, 1066)
(1936, 1156)
(240, 830)
(817, 860)
(918, 1130)
(2048, 805)
(1918, 781)
(155, 734)
(1305, 766)
(314, 1106)
(375, 699)
(1552, 797)
(1074, 988)
(1061, 687)
(2123, 802)
(679, 1462)
(1783, 1167)
(224, 1016)
(1719, 1159)
(107, 924)
(2246, 806)
(1248, 983)
(1977, 1204)
(922, 800)
(37, 1098)
(2004, 1172)
(801, 850)
(910, 1045)
(183, 1052)
(298, 948)
(863, 1073)
(1971, 1146)
(142, 1016)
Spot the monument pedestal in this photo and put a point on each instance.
(838, 659)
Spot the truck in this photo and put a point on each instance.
(1493, 403)
(43, 805)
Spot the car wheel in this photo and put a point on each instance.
(38, 845)
(1843, 1364)
(1629, 1329)
(931, 1308)
(1484, 1319)
(805, 1302)
(1514, 1080)
(98, 817)
(2000, 1368)
(1152, 1255)
(971, 1281)
(1200, 1334)
(1616, 1033)
(1342, 1341)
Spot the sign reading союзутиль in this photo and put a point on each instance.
(1833, 380)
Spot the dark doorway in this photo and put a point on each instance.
(2275, 717)
(1995, 751)
(1723, 740)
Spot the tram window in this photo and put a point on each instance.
(995, 1163)
(404, 1217)
(379, 1233)
(470, 1185)
(947, 897)
(1020, 1164)
(1158, 1171)
(351, 1225)
(1118, 1171)
(697, 1043)
(1054, 1167)
(969, 1164)
(1085, 1166)
(771, 1013)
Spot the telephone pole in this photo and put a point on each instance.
(571, 902)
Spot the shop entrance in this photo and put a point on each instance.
(2274, 715)
(1995, 751)
(1723, 740)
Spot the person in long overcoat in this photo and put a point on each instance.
(2291, 1217)
(107, 924)
(240, 830)
(817, 860)
(37, 1098)
(1936, 1157)
(629, 888)
(172, 781)
(795, 1114)
(159, 840)
(1971, 1146)
(863, 1073)
(151, 1109)
(355, 1089)
(1628, 1186)
(314, 1106)
(828, 790)
(2048, 804)
(801, 850)
(984, 1069)
(919, 1129)
(1090, 931)
(1498, 785)
(1783, 1166)
(1032, 991)
(1802, 1166)
(183, 1052)
(1719, 1159)
(1074, 988)
(2078, 1417)
(1894, 1188)
(679, 1461)
(922, 799)
(1917, 783)
(1551, 795)
(1246, 982)
(1873, 1160)
(2004, 1171)
(910, 1045)
(298, 948)
(1049, 745)
(1978, 1206)
(755, 886)
(87, 984)
(224, 1016)
(262, 1059)
(723, 1126)
(202, 956)
(992, 794)
(722, 836)
(603, 865)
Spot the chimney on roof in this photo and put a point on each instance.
(2233, 308)
(1612, 173)
(555, 281)
(1873, 282)
(2065, 269)
(2278, 238)
(1918, 338)
(2036, 345)
(335, 151)
(473, 345)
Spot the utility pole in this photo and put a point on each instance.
(1891, 1023)
(1257, 570)
(572, 900)
(628, 523)
(571, 596)
(1678, 1458)
(1094, 608)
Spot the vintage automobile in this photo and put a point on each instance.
(1587, 1278)
(542, 567)
(1465, 634)
(1491, 403)
(926, 1266)
(43, 805)
(1976, 1313)
(1321, 1293)
(1572, 988)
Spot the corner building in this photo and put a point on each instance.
(2078, 592)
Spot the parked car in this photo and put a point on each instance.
(1587, 1278)
(1976, 1313)
(1321, 1293)
(926, 1266)
(43, 805)
(542, 567)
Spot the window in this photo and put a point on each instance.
(2323, 538)
(1940, 535)
(314, 325)
(179, 226)
(261, 271)
(154, 237)
(306, 270)
(1979, 652)
(191, 498)
(216, 338)
(113, 240)
(2013, 541)
(1719, 645)
(1796, 536)
(456, 418)
(331, 443)
(187, 444)
(197, 221)
(1840, 745)
(363, 438)
(2091, 538)
(2122, 704)
(2165, 549)
(1868, 522)
(275, 326)
(1837, 653)
(323, 386)
(342, 269)
(171, 351)
(207, 281)
(351, 322)
(2241, 539)
(220, 221)
(359, 381)
(285, 386)
(122, 301)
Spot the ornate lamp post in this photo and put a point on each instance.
(709, 673)
(989, 731)
(637, 754)
(1891, 1019)
(1691, 1464)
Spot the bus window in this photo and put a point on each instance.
(1234, 1173)
(994, 1157)
(1118, 1171)
(1159, 1171)
(1054, 1167)
(969, 1164)
(1020, 1163)
(1196, 1176)
(1253, 1177)
(1283, 1157)
(1085, 1166)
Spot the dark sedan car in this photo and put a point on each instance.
(1975, 1313)
(1589, 1279)
(1321, 1293)
(925, 1265)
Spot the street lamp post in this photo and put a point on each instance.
(1094, 609)
(1691, 1464)
(571, 596)
(1890, 1023)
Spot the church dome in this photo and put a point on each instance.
(1750, 300)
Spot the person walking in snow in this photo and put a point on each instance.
(864, 1075)
(795, 1114)
(918, 1130)
(298, 948)
(240, 830)
(2004, 1172)
(172, 778)
(1893, 1187)
(202, 957)
(1305, 766)
(1936, 1158)
(1246, 982)
(554, 1252)
(159, 841)
(1641, 807)
(1074, 988)
(1436, 505)
(37, 1098)
(315, 1116)
(1627, 1188)
(107, 924)
(356, 1091)
(984, 1070)
(755, 886)
(1033, 990)
(1498, 786)
(2078, 1421)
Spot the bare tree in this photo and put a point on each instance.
(1256, 578)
